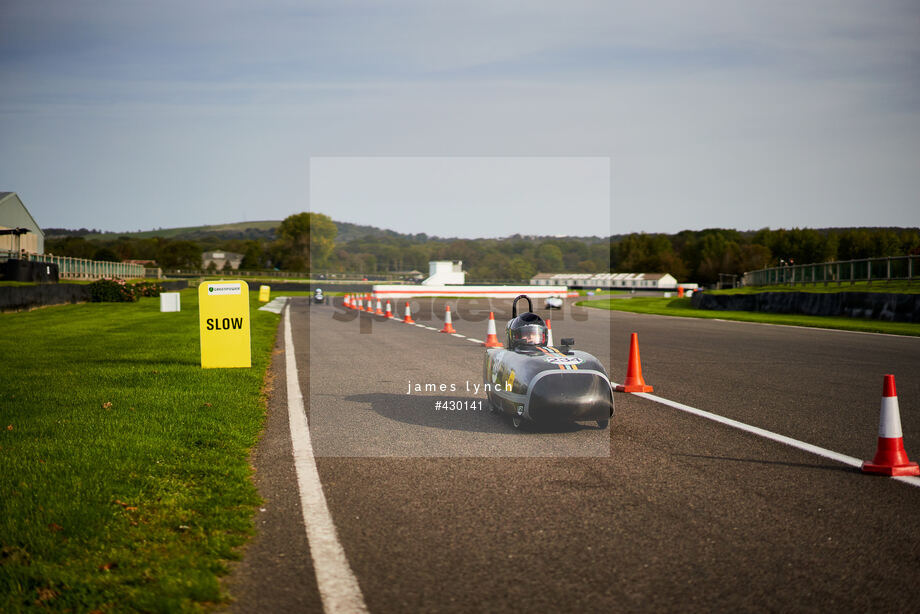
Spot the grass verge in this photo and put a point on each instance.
(894, 287)
(125, 482)
(681, 308)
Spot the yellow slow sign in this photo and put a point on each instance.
(223, 318)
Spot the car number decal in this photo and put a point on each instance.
(563, 360)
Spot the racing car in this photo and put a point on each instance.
(532, 381)
(554, 302)
(318, 296)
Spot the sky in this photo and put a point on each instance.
(463, 119)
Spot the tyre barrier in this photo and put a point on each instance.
(870, 305)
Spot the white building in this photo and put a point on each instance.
(447, 278)
(608, 281)
(445, 273)
(22, 234)
(221, 260)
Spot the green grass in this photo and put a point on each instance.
(124, 479)
(680, 307)
(894, 287)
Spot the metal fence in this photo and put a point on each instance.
(78, 268)
(892, 268)
(325, 277)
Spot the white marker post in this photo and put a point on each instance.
(169, 301)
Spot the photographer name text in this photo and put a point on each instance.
(470, 387)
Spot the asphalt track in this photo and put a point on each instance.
(458, 512)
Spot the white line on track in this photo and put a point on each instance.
(458, 335)
(338, 587)
(795, 443)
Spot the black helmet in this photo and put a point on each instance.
(525, 329)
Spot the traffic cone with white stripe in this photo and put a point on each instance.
(360, 305)
(379, 311)
(448, 325)
(634, 380)
(549, 333)
(370, 304)
(408, 317)
(491, 338)
(345, 302)
(389, 313)
(890, 456)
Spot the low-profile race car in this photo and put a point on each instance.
(554, 302)
(529, 380)
(318, 296)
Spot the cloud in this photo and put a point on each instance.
(754, 113)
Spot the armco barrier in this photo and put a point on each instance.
(871, 305)
(18, 298)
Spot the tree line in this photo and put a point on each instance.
(309, 242)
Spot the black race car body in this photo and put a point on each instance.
(547, 385)
(543, 383)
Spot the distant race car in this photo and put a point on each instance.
(554, 302)
(318, 296)
(529, 380)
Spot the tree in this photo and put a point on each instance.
(253, 256)
(550, 258)
(521, 269)
(307, 240)
(104, 254)
(75, 247)
(179, 255)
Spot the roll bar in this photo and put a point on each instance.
(514, 305)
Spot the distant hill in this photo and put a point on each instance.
(264, 230)
(239, 230)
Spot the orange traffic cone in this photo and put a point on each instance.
(360, 305)
(549, 333)
(345, 302)
(448, 326)
(890, 456)
(370, 304)
(491, 338)
(379, 311)
(389, 312)
(634, 381)
(408, 317)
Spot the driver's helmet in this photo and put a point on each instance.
(526, 329)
